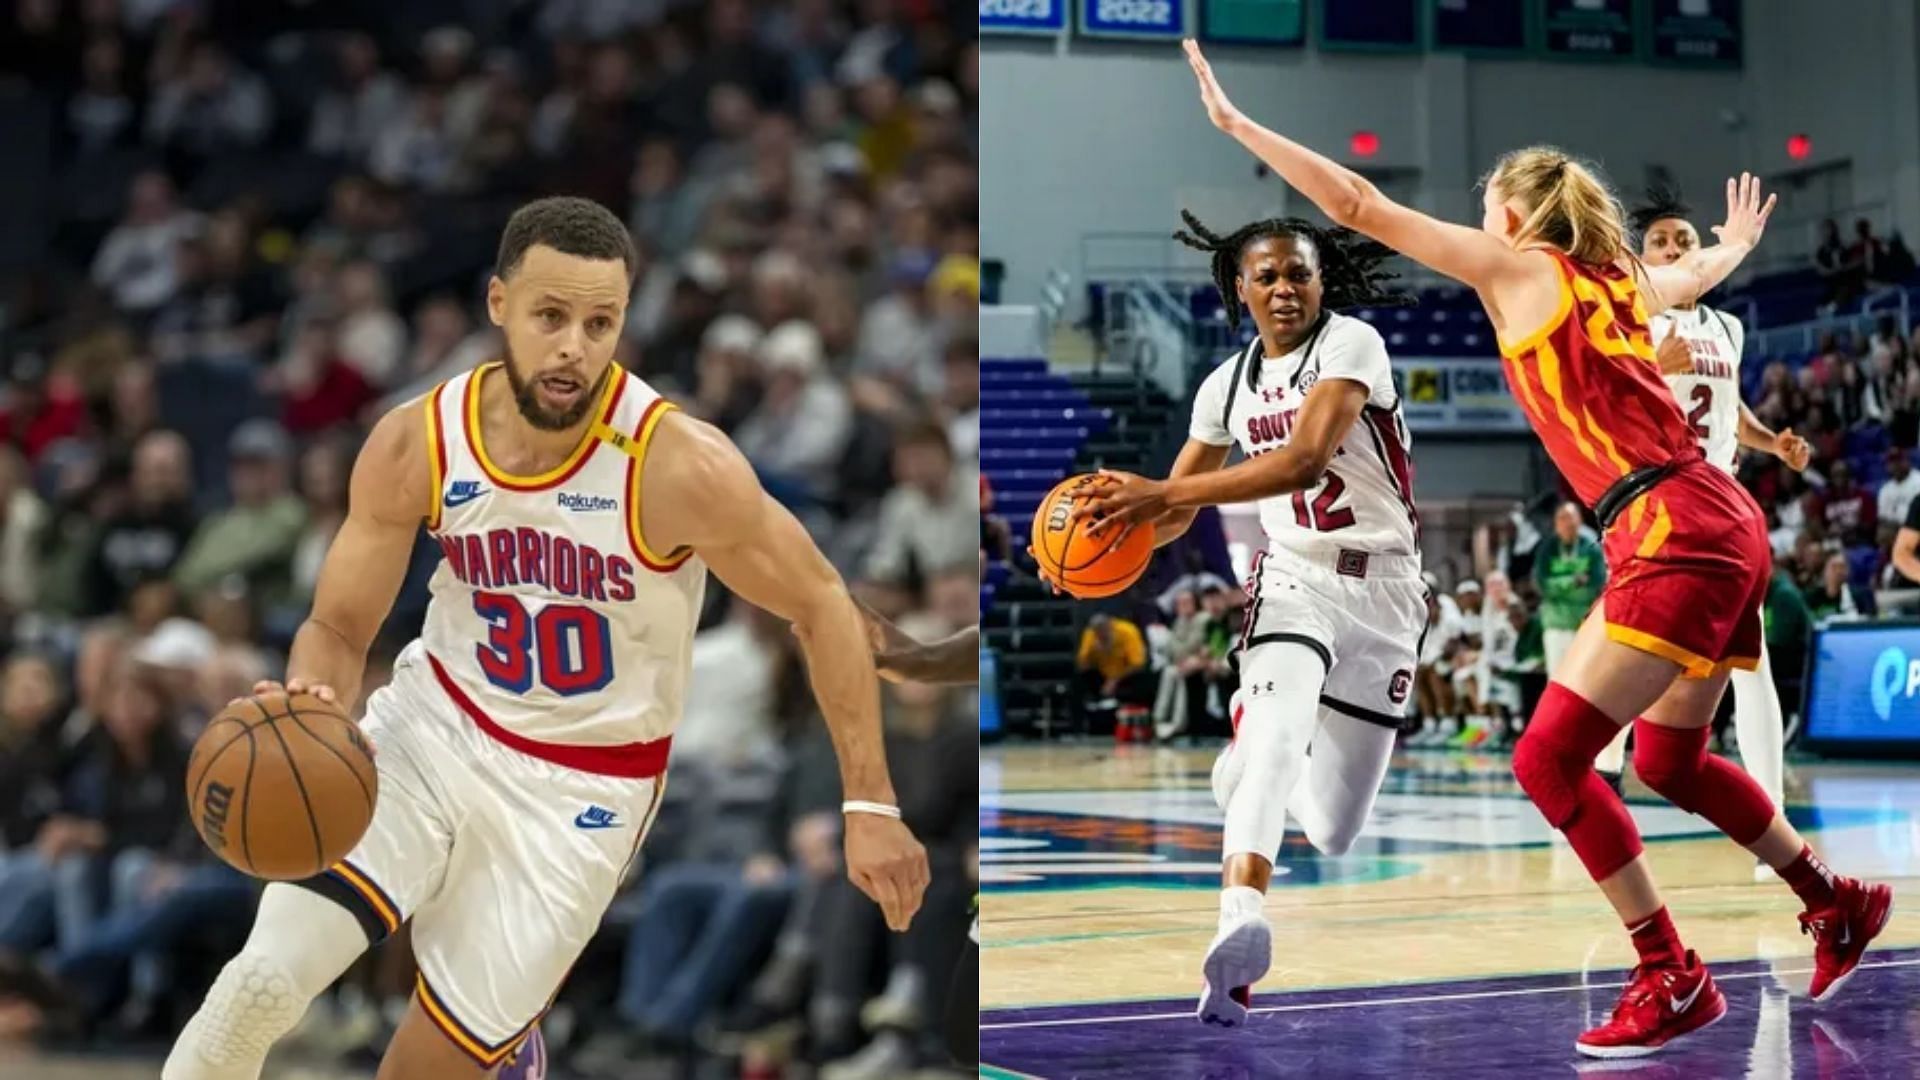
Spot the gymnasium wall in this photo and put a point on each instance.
(1084, 137)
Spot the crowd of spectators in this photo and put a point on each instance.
(269, 223)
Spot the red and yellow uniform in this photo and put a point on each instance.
(1688, 560)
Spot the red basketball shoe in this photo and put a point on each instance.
(1658, 1006)
(1841, 932)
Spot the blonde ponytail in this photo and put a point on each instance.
(1571, 208)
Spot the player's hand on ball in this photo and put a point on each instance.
(1672, 353)
(1221, 111)
(1121, 499)
(1040, 571)
(296, 686)
(887, 864)
(1746, 214)
(1792, 449)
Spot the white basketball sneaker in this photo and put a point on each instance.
(1226, 767)
(1239, 957)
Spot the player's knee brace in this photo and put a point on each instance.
(1554, 764)
(1674, 762)
(250, 1006)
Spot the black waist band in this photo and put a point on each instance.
(1628, 488)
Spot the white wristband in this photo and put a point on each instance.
(862, 806)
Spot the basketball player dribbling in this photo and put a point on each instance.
(1698, 348)
(523, 741)
(1337, 606)
(1687, 551)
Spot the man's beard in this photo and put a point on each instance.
(539, 415)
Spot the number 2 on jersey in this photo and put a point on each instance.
(568, 643)
(1702, 398)
(1322, 516)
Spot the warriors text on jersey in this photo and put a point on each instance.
(1590, 386)
(1364, 502)
(1709, 395)
(551, 618)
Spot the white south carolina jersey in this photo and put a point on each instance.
(1709, 396)
(1365, 500)
(549, 612)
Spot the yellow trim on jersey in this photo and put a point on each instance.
(1518, 375)
(636, 448)
(371, 895)
(1606, 442)
(435, 467)
(1540, 335)
(452, 1029)
(501, 476)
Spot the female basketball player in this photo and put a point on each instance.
(1686, 546)
(1702, 368)
(1333, 634)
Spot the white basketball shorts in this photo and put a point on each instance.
(505, 862)
(1364, 614)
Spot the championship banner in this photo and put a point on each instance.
(1023, 16)
(1705, 32)
(1863, 688)
(1150, 19)
(1480, 26)
(1457, 397)
(1599, 29)
(1378, 25)
(1253, 22)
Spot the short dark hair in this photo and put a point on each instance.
(1662, 201)
(569, 225)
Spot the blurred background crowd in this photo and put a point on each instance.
(237, 232)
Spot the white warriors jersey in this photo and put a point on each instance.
(550, 613)
(1709, 395)
(1365, 500)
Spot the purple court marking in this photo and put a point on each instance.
(1519, 1027)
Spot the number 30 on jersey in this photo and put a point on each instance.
(566, 646)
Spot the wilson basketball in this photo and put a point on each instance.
(1086, 564)
(281, 787)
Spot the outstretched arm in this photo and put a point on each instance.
(702, 494)
(1783, 444)
(1467, 255)
(1196, 458)
(901, 658)
(1696, 273)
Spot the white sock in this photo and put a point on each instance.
(1613, 756)
(1239, 902)
(1757, 720)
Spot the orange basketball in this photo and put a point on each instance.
(1087, 565)
(281, 787)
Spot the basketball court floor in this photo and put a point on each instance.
(1459, 938)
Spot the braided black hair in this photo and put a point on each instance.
(1350, 273)
(1661, 202)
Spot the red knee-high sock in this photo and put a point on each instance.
(1657, 941)
(1675, 763)
(1554, 763)
(1810, 879)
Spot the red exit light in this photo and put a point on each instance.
(1364, 144)
(1799, 147)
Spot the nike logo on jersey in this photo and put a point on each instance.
(570, 501)
(1681, 1005)
(462, 492)
(596, 817)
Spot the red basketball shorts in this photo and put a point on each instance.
(1688, 565)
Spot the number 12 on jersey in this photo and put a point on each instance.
(1322, 515)
(565, 646)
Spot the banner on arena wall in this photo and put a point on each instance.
(1376, 26)
(1023, 16)
(1253, 22)
(1151, 19)
(1600, 29)
(1697, 31)
(1491, 26)
(1467, 396)
(1863, 687)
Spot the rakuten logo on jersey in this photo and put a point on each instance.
(570, 501)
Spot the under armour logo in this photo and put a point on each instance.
(1271, 395)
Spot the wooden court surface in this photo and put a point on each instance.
(1100, 876)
